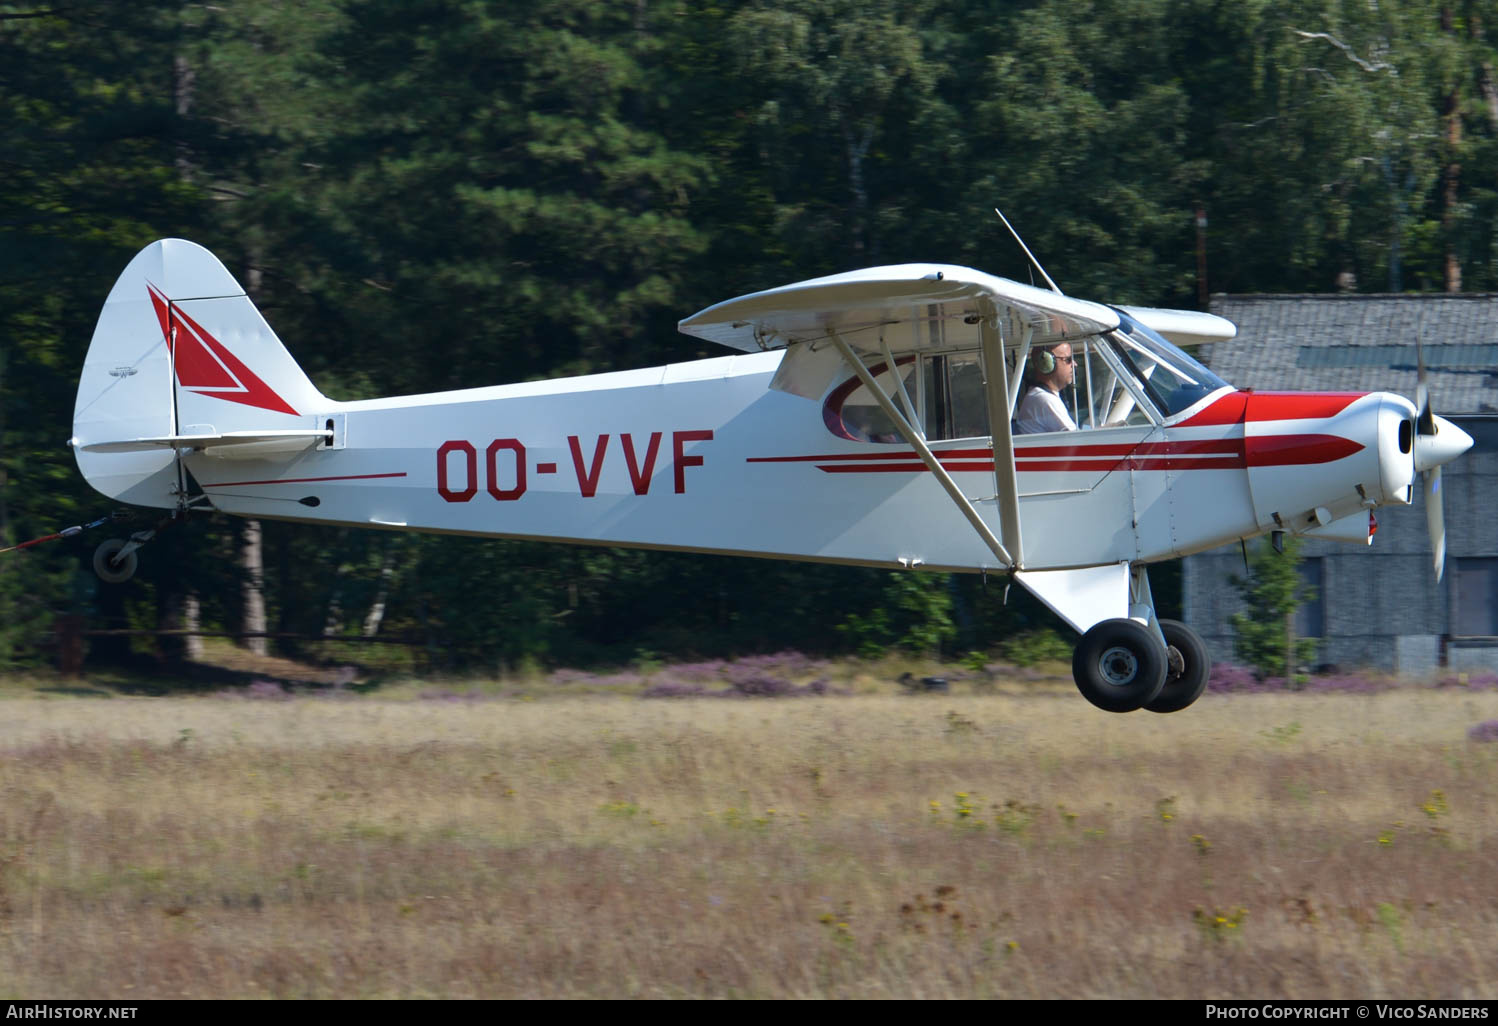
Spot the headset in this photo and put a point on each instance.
(1044, 361)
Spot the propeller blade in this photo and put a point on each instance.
(1425, 422)
(1435, 519)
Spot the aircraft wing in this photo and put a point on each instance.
(1184, 327)
(908, 307)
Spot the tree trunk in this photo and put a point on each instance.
(1453, 115)
(1452, 196)
(183, 80)
(252, 561)
(856, 149)
(252, 553)
(171, 649)
(376, 613)
(192, 619)
(1290, 649)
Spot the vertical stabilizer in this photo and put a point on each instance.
(179, 350)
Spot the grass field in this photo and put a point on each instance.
(1010, 844)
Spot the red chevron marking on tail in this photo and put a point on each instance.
(205, 365)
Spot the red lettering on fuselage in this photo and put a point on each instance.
(589, 471)
(492, 471)
(679, 439)
(471, 465)
(638, 477)
(587, 483)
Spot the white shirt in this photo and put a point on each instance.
(1042, 410)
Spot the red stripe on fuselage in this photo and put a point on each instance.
(1132, 463)
(1174, 447)
(904, 454)
(300, 480)
(1297, 450)
(1186, 454)
(886, 468)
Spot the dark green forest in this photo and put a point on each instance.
(544, 188)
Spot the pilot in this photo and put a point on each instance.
(1051, 369)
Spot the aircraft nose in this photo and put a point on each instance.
(1396, 443)
(1448, 442)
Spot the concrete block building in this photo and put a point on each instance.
(1378, 606)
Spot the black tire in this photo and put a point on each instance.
(1189, 666)
(1119, 665)
(113, 570)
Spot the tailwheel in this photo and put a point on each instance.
(1119, 665)
(1189, 666)
(113, 563)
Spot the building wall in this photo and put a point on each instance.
(1381, 604)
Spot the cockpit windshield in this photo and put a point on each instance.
(1172, 378)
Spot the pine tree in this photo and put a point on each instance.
(1272, 591)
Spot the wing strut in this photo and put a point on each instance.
(915, 441)
(1000, 414)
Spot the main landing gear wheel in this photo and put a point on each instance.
(111, 567)
(1188, 670)
(1119, 665)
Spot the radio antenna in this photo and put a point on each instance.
(1022, 246)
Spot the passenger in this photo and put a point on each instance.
(1050, 370)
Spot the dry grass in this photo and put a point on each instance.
(1006, 845)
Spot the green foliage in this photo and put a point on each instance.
(1282, 735)
(1390, 919)
(849, 75)
(1042, 645)
(911, 611)
(1271, 593)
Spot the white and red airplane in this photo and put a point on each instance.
(866, 420)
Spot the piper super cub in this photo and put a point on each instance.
(875, 418)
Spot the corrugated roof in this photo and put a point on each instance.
(1363, 343)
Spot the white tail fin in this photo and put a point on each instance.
(180, 354)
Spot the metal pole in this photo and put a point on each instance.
(996, 389)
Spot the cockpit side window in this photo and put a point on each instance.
(956, 402)
(947, 390)
(1095, 397)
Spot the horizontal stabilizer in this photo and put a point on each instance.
(266, 441)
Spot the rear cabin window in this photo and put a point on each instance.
(946, 391)
(852, 412)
